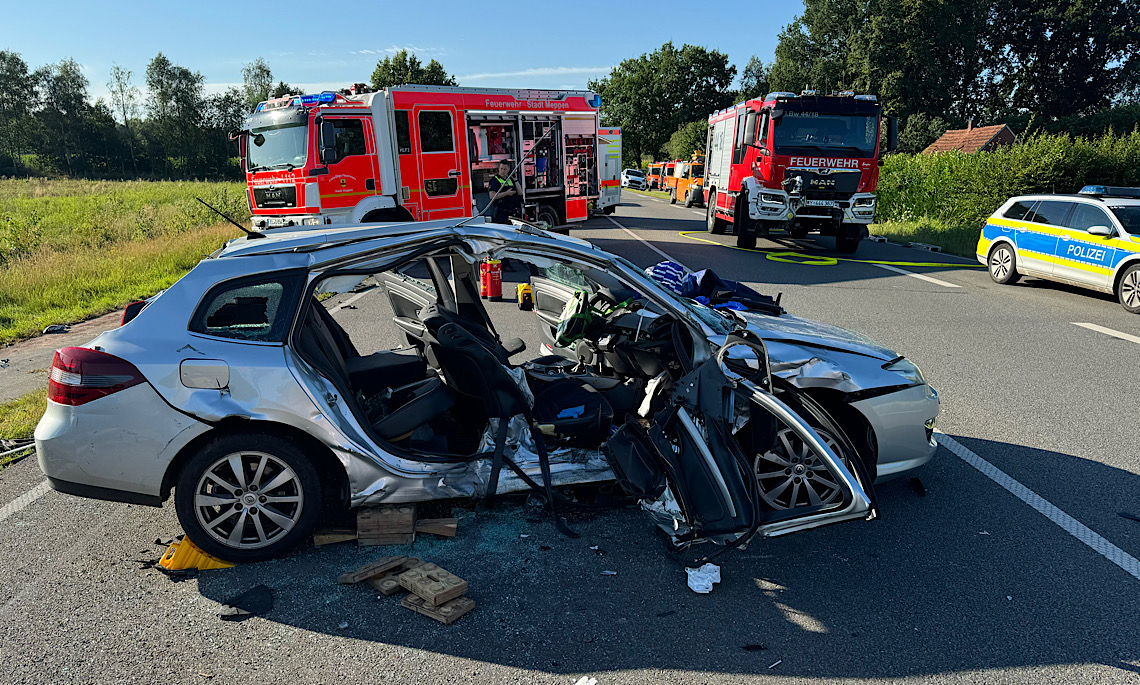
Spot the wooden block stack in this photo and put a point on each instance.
(386, 525)
(434, 591)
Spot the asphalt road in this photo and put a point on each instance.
(968, 583)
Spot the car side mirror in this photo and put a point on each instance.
(1103, 231)
(763, 150)
(326, 143)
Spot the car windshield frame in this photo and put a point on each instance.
(285, 137)
(1131, 224)
(847, 146)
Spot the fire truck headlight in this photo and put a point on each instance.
(311, 221)
(771, 199)
(865, 202)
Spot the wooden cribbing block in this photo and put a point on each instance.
(433, 584)
(370, 570)
(447, 527)
(387, 582)
(445, 613)
(386, 525)
(330, 536)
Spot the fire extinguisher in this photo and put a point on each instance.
(491, 279)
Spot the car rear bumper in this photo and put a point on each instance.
(117, 447)
(903, 423)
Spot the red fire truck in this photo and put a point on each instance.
(804, 163)
(412, 153)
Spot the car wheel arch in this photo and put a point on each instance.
(1120, 269)
(334, 477)
(996, 243)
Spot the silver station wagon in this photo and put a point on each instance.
(241, 390)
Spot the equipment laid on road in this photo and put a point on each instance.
(414, 153)
(184, 554)
(805, 163)
(432, 591)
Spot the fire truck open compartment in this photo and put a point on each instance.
(495, 138)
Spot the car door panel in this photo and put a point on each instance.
(1082, 257)
(1037, 239)
(550, 298)
(407, 296)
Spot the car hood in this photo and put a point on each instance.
(793, 329)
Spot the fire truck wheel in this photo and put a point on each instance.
(716, 225)
(672, 196)
(798, 232)
(609, 210)
(746, 240)
(549, 215)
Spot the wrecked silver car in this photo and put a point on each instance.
(239, 389)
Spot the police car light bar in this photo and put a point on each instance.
(1111, 191)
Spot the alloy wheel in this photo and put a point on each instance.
(792, 475)
(1130, 289)
(1001, 261)
(248, 500)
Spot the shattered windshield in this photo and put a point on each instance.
(1129, 216)
(836, 135)
(283, 145)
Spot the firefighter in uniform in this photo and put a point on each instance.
(502, 188)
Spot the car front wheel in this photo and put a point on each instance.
(1129, 290)
(248, 497)
(1003, 265)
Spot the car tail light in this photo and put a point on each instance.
(132, 310)
(80, 375)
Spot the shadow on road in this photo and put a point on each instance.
(949, 582)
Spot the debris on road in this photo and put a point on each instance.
(342, 625)
(775, 664)
(701, 579)
(586, 680)
(445, 613)
(446, 527)
(253, 602)
(331, 536)
(370, 570)
(57, 328)
(925, 246)
(609, 573)
(184, 554)
(435, 585)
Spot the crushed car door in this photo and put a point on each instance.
(709, 442)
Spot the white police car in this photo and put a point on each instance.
(1091, 239)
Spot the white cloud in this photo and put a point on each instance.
(393, 49)
(536, 71)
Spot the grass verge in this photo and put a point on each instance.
(18, 419)
(72, 285)
(959, 239)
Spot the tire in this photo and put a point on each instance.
(1002, 264)
(715, 224)
(609, 210)
(549, 215)
(688, 198)
(746, 240)
(847, 245)
(202, 502)
(393, 215)
(1128, 291)
(798, 232)
(672, 196)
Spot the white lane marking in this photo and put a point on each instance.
(1108, 331)
(24, 500)
(698, 213)
(354, 298)
(648, 244)
(1070, 525)
(921, 277)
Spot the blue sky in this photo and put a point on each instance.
(317, 46)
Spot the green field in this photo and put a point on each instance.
(71, 249)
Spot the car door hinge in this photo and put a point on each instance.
(331, 398)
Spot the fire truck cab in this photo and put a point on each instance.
(412, 153)
(804, 163)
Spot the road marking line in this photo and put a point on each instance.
(1070, 525)
(354, 298)
(1108, 331)
(648, 244)
(24, 500)
(921, 277)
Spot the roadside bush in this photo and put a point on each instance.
(953, 188)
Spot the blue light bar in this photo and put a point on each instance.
(324, 98)
(1111, 191)
(1094, 190)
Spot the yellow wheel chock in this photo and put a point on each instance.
(184, 554)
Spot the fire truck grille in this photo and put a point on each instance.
(275, 197)
(845, 182)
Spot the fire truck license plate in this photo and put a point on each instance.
(275, 221)
(822, 203)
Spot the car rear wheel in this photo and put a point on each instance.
(792, 475)
(1129, 290)
(1003, 265)
(248, 497)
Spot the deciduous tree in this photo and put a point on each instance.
(404, 67)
